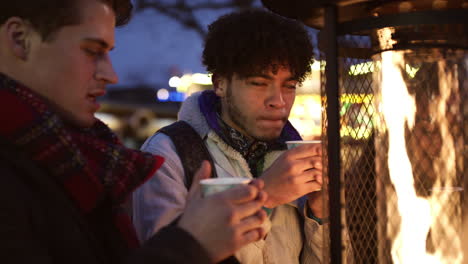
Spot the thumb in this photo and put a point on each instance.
(203, 172)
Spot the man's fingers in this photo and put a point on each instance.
(240, 194)
(308, 163)
(313, 186)
(250, 208)
(318, 177)
(252, 236)
(203, 172)
(307, 176)
(252, 222)
(306, 150)
(259, 183)
(262, 196)
(311, 175)
(316, 163)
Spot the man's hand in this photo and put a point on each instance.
(226, 221)
(295, 173)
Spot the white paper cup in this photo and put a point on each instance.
(214, 185)
(295, 143)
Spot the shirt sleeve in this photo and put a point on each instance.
(163, 197)
(314, 245)
(171, 245)
(317, 244)
(18, 240)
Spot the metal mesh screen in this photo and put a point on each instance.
(375, 206)
(357, 146)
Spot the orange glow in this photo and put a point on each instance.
(418, 214)
(306, 116)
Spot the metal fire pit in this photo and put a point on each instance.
(394, 126)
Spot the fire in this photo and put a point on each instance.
(419, 215)
(409, 244)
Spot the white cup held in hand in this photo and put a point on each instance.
(214, 185)
(296, 143)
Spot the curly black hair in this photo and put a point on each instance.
(253, 41)
(47, 16)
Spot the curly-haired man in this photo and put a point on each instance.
(64, 175)
(257, 60)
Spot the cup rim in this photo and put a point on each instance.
(316, 141)
(225, 180)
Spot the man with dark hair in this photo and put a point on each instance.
(257, 59)
(65, 175)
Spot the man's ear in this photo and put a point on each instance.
(219, 85)
(16, 31)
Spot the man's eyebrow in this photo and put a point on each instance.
(101, 43)
(259, 75)
(266, 76)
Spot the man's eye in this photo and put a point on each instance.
(258, 83)
(92, 52)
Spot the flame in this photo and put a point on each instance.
(419, 215)
(409, 243)
(445, 164)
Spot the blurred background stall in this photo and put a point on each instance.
(158, 60)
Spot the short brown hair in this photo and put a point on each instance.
(47, 16)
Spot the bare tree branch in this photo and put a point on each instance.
(184, 13)
(178, 11)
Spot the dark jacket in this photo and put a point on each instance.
(39, 224)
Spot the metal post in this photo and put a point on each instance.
(333, 133)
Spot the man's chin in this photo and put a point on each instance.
(81, 119)
(267, 136)
(87, 123)
(81, 122)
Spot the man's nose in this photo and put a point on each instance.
(275, 98)
(105, 71)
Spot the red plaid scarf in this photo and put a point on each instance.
(91, 164)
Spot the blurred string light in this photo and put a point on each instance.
(183, 86)
(201, 78)
(362, 132)
(361, 108)
(369, 67)
(363, 68)
(356, 98)
(163, 94)
(183, 83)
(174, 81)
(356, 115)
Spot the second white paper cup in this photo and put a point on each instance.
(214, 185)
(295, 143)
